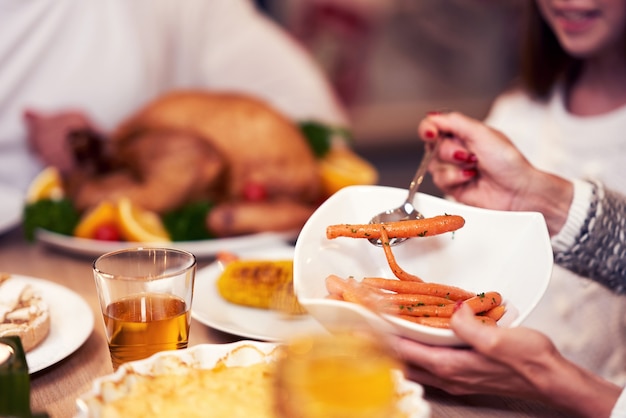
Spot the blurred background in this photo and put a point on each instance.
(391, 61)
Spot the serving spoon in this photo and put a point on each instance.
(407, 211)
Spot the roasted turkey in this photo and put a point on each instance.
(192, 145)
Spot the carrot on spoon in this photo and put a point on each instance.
(402, 229)
(391, 259)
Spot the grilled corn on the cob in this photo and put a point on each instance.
(265, 284)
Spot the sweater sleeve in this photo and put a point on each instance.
(599, 250)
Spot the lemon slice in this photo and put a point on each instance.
(341, 167)
(137, 224)
(46, 185)
(104, 213)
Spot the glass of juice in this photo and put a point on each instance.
(342, 375)
(145, 296)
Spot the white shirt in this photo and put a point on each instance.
(586, 321)
(107, 58)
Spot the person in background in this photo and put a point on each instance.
(568, 117)
(522, 362)
(66, 65)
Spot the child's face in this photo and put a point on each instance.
(587, 28)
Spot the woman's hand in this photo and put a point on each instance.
(480, 166)
(517, 362)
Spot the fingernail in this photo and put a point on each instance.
(433, 113)
(469, 172)
(457, 305)
(460, 155)
(429, 134)
(465, 157)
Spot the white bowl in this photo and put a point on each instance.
(507, 252)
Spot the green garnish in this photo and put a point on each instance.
(53, 215)
(189, 222)
(320, 136)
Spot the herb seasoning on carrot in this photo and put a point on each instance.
(402, 229)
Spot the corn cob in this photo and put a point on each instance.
(261, 284)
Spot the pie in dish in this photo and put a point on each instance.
(217, 380)
(22, 312)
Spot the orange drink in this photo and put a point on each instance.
(140, 326)
(145, 296)
(337, 376)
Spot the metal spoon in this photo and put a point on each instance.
(407, 211)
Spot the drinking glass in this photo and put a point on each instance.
(340, 375)
(145, 296)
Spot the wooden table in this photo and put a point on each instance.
(55, 388)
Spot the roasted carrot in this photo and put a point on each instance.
(352, 291)
(391, 259)
(335, 285)
(495, 313)
(402, 229)
(414, 299)
(445, 311)
(483, 301)
(434, 289)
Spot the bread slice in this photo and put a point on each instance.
(22, 312)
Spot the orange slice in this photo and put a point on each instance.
(137, 224)
(104, 213)
(46, 185)
(341, 167)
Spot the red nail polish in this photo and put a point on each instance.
(433, 113)
(457, 305)
(469, 172)
(472, 158)
(460, 155)
(429, 134)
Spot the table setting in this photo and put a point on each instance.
(58, 383)
(135, 299)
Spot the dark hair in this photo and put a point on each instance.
(543, 61)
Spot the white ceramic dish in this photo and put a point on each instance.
(212, 310)
(71, 323)
(206, 356)
(10, 208)
(201, 249)
(508, 252)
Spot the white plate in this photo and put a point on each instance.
(71, 323)
(201, 249)
(212, 310)
(507, 252)
(206, 356)
(11, 208)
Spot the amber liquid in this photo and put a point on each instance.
(338, 377)
(142, 325)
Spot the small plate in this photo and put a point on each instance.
(201, 248)
(71, 323)
(11, 208)
(206, 356)
(212, 310)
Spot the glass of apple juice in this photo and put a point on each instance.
(145, 296)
